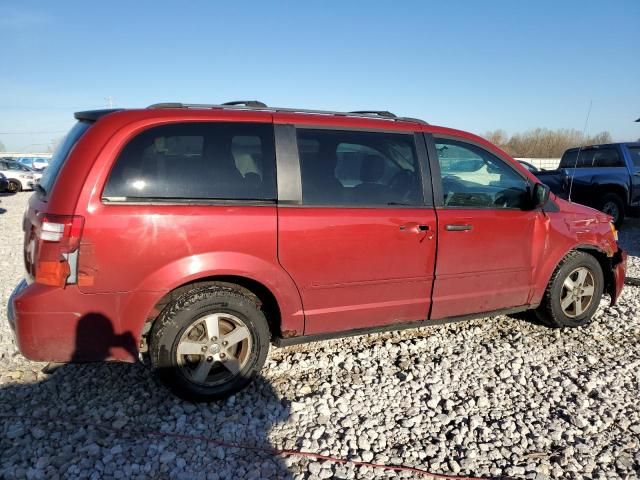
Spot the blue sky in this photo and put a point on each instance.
(471, 65)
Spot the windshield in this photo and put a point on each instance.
(60, 155)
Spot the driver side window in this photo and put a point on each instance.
(474, 178)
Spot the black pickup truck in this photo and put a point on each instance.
(606, 177)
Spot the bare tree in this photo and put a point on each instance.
(542, 142)
(497, 137)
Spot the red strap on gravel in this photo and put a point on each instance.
(220, 443)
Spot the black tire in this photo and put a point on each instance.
(613, 204)
(185, 316)
(551, 313)
(14, 186)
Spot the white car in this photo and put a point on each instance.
(20, 177)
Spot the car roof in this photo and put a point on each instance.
(602, 145)
(255, 111)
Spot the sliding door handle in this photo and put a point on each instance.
(453, 227)
(413, 227)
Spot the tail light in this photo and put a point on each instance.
(58, 239)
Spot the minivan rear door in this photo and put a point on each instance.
(356, 227)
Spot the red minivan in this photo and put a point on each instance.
(194, 236)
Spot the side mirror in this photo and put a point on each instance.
(539, 195)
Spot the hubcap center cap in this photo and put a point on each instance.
(215, 348)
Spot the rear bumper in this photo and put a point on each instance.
(619, 264)
(52, 324)
(11, 315)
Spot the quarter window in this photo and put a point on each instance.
(196, 161)
(473, 177)
(358, 168)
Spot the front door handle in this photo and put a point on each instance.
(453, 227)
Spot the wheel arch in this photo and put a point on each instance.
(617, 188)
(261, 278)
(248, 286)
(605, 263)
(604, 259)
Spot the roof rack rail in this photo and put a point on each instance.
(167, 105)
(412, 119)
(380, 113)
(254, 104)
(247, 103)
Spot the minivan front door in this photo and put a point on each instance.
(485, 233)
(360, 241)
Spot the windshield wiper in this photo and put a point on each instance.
(399, 204)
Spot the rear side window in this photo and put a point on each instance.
(214, 161)
(60, 156)
(591, 157)
(358, 168)
(635, 156)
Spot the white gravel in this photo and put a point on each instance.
(491, 397)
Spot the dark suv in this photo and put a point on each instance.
(193, 236)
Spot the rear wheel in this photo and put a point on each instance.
(612, 204)
(573, 293)
(209, 344)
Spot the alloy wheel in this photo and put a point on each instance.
(214, 349)
(577, 292)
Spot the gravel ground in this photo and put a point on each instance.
(491, 397)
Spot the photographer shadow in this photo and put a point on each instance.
(98, 420)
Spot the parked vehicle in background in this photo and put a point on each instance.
(4, 183)
(193, 236)
(532, 168)
(36, 163)
(606, 177)
(20, 177)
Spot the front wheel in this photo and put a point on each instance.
(573, 293)
(14, 186)
(209, 344)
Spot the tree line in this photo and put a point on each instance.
(542, 142)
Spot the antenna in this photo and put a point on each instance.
(584, 133)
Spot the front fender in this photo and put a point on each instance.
(563, 232)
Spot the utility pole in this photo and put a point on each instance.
(109, 100)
